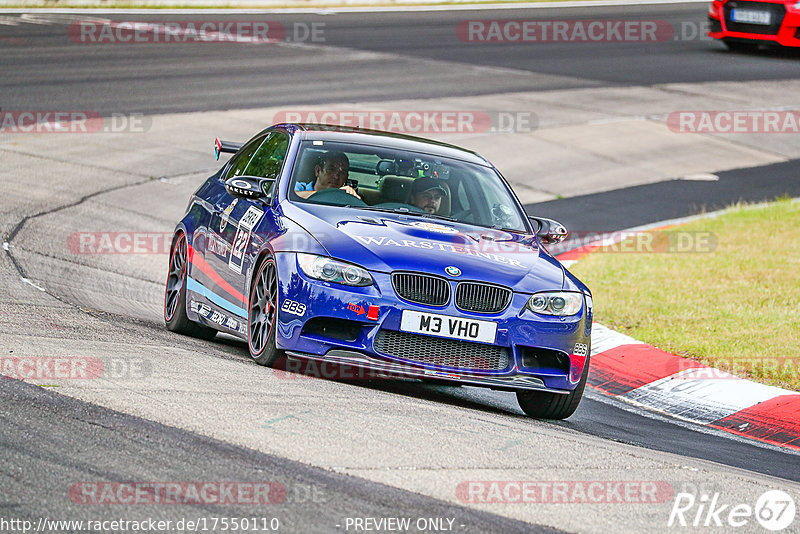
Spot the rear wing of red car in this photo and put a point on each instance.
(225, 146)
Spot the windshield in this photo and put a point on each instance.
(387, 179)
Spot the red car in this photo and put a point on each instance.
(744, 24)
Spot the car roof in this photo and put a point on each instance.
(363, 136)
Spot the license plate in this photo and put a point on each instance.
(750, 16)
(448, 326)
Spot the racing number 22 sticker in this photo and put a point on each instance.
(242, 239)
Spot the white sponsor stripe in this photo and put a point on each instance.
(604, 339)
(693, 396)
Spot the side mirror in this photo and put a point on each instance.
(549, 231)
(249, 187)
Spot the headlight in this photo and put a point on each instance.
(797, 5)
(556, 303)
(330, 270)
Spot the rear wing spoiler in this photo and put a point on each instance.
(225, 146)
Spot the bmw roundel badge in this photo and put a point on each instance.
(453, 271)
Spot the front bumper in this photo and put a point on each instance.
(784, 31)
(377, 368)
(520, 333)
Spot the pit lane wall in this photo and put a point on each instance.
(641, 374)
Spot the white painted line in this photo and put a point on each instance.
(691, 395)
(31, 283)
(33, 18)
(360, 9)
(646, 411)
(700, 177)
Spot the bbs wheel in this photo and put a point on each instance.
(263, 316)
(175, 294)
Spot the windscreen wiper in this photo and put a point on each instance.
(406, 211)
(398, 211)
(437, 216)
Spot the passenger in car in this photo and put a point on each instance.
(427, 194)
(330, 172)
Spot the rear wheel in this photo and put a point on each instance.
(263, 316)
(545, 405)
(175, 294)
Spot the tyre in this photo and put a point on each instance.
(175, 294)
(263, 314)
(545, 405)
(739, 46)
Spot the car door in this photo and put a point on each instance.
(235, 219)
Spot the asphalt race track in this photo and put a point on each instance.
(185, 410)
(53, 422)
(646, 204)
(402, 55)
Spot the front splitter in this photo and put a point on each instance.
(388, 370)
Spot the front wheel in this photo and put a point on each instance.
(263, 316)
(175, 295)
(546, 405)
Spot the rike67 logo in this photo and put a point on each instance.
(774, 510)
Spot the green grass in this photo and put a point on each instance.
(736, 308)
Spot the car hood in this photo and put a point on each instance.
(389, 242)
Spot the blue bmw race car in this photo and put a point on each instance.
(381, 252)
